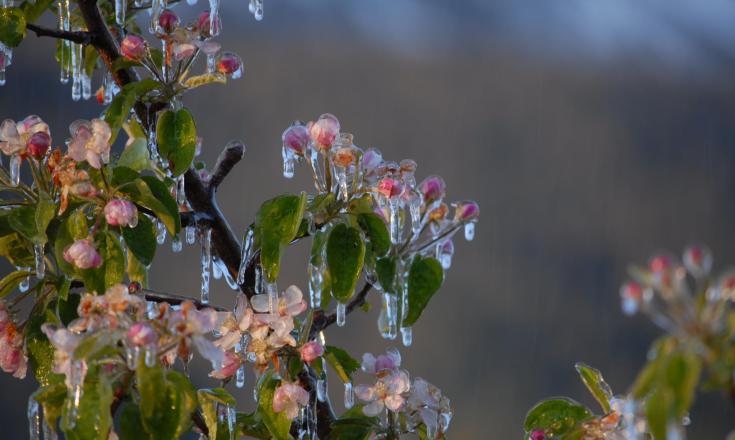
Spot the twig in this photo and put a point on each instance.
(230, 156)
(80, 37)
(322, 320)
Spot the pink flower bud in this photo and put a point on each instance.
(203, 24)
(698, 260)
(384, 362)
(229, 366)
(660, 263)
(631, 296)
(433, 188)
(390, 187)
(119, 212)
(230, 64)
(133, 47)
(141, 334)
(168, 20)
(82, 254)
(537, 434)
(466, 210)
(324, 131)
(289, 398)
(311, 351)
(296, 137)
(371, 159)
(39, 144)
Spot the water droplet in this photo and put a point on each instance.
(214, 18)
(206, 261)
(396, 229)
(34, 419)
(258, 279)
(349, 396)
(414, 207)
(15, 161)
(247, 245)
(341, 314)
(216, 268)
(388, 317)
(77, 372)
(76, 71)
(152, 309)
(176, 244)
(86, 86)
(157, 6)
(469, 231)
(25, 284)
(180, 190)
(240, 376)
(39, 260)
(407, 336)
(231, 421)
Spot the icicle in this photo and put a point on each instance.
(107, 83)
(395, 220)
(191, 2)
(206, 259)
(15, 169)
(444, 253)
(180, 190)
(407, 336)
(76, 379)
(164, 63)
(191, 234)
(176, 244)
(62, 7)
(349, 395)
(86, 86)
(321, 388)
(272, 290)
(131, 356)
(256, 8)
(341, 314)
(34, 420)
(316, 284)
(414, 207)
(49, 433)
(231, 282)
(231, 421)
(157, 6)
(160, 232)
(241, 348)
(214, 18)
(6, 58)
(247, 245)
(387, 319)
(469, 231)
(150, 352)
(40, 261)
(152, 309)
(258, 279)
(289, 160)
(314, 162)
(121, 7)
(153, 147)
(216, 268)
(340, 174)
(76, 71)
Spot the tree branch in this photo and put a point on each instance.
(230, 156)
(80, 37)
(322, 320)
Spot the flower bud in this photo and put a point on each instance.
(537, 434)
(311, 351)
(203, 24)
(119, 212)
(230, 64)
(371, 159)
(296, 137)
(466, 210)
(141, 334)
(168, 20)
(82, 254)
(324, 131)
(390, 187)
(133, 47)
(229, 366)
(698, 260)
(39, 144)
(433, 188)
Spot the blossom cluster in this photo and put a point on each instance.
(12, 358)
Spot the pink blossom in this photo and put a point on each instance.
(432, 407)
(230, 64)
(232, 325)
(12, 358)
(290, 398)
(14, 137)
(387, 392)
(90, 141)
(390, 187)
(141, 334)
(168, 20)
(324, 131)
(433, 188)
(133, 47)
(229, 367)
(119, 212)
(296, 137)
(371, 159)
(383, 363)
(38, 144)
(204, 26)
(82, 254)
(290, 303)
(311, 351)
(64, 342)
(466, 210)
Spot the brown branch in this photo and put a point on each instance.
(322, 320)
(80, 37)
(230, 156)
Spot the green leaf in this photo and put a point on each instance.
(166, 401)
(682, 374)
(276, 225)
(131, 425)
(141, 240)
(45, 212)
(208, 400)
(122, 175)
(95, 343)
(161, 192)
(112, 269)
(386, 270)
(135, 155)
(51, 398)
(277, 423)
(12, 26)
(11, 281)
(90, 58)
(92, 420)
(119, 110)
(595, 383)
(17, 250)
(424, 279)
(353, 425)
(344, 364)
(33, 10)
(659, 411)
(345, 257)
(176, 137)
(376, 231)
(137, 271)
(23, 220)
(557, 416)
(40, 350)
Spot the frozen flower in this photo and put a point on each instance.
(14, 137)
(290, 398)
(82, 254)
(119, 212)
(168, 20)
(698, 260)
(184, 43)
(430, 405)
(71, 180)
(390, 187)
(38, 144)
(324, 131)
(90, 141)
(229, 366)
(133, 47)
(432, 188)
(386, 393)
(537, 434)
(290, 303)
(296, 137)
(231, 326)
(311, 351)
(64, 342)
(466, 210)
(192, 324)
(12, 358)
(230, 64)
(383, 364)
(141, 334)
(204, 26)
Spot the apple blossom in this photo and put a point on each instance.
(388, 392)
(290, 398)
(38, 144)
(433, 188)
(296, 137)
(90, 141)
(14, 137)
(311, 351)
(141, 334)
(383, 363)
(120, 212)
(133, 47)
(229, 64)
(83, 254)
(324, 131)
(168, 20)
(229, 366)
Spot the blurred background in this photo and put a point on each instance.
(591, 133)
